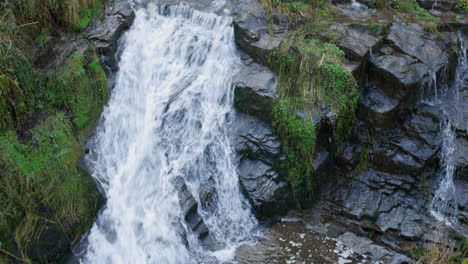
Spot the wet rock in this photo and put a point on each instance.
(377, 109)
(409, 62)
(356, 40)
(398, 75)
(411, 40)
(259, 156)
(365, 246)
(189, 207)
(253, 33)
(49, 246)
(255, 91)
(444, 5)
(105, 32)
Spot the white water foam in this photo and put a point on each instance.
(444, 203)
(167, 118)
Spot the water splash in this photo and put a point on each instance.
(167, 118)
(444, 204)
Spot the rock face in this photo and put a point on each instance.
(189, 207)
(252, 31)
(255, 91)
(103, 33)
(400, 134)
(380, 199)
(259, 156)
(106, 31)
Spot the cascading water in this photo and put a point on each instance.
(444, 204)
(167, 118)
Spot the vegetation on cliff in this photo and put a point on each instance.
(311, 77)
(47, 201)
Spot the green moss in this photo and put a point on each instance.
(81, 86)
(342, 94)
(21, 88)
(69, 14)
(462, 5)
(86, 14)
(41, 184)
(310, 75)
(298, 138)
(43, 37)
(418, 252)
(410, 6)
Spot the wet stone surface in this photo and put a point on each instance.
(290, 241)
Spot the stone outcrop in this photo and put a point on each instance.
(260, 174)
(105, 32)
(255, 91)
(385, 177)
(189, 207)
(257, 33)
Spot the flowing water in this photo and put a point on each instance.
(444, 204)
(167, 118)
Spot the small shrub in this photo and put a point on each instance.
(410, 6)
(462, 5)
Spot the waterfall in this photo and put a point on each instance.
(167, 118)
(444, 203)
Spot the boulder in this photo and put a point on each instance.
(356, 40)
(50, 244)
(396, 74)
(256, 32)
(412, 40)
(255, 91)
(377, 109)
(260, 174)
(189, 207)
(105, 32)
(412, 64)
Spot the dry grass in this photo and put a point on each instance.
(443, 249)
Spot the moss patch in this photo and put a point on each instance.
(311, 76)
(42, 190)
(41, 185)
(298, 137)
(80, 86)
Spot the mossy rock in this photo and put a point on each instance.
(81, 86)
(42, 190)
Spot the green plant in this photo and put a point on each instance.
(361, 167)
(310, 75)
(41, 185)
(410, 6)
(43, 37)
(81, 86)
(462, 5)
(298, 138)
(377, 4)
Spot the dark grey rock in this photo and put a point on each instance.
(412, 40)
(260, 174)
(365, 246)
(253, 33)
(255, 91)
(189, 207)
(440, 5)
(356, 40)
(49, 246)
(105, 32)
(377, 109)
